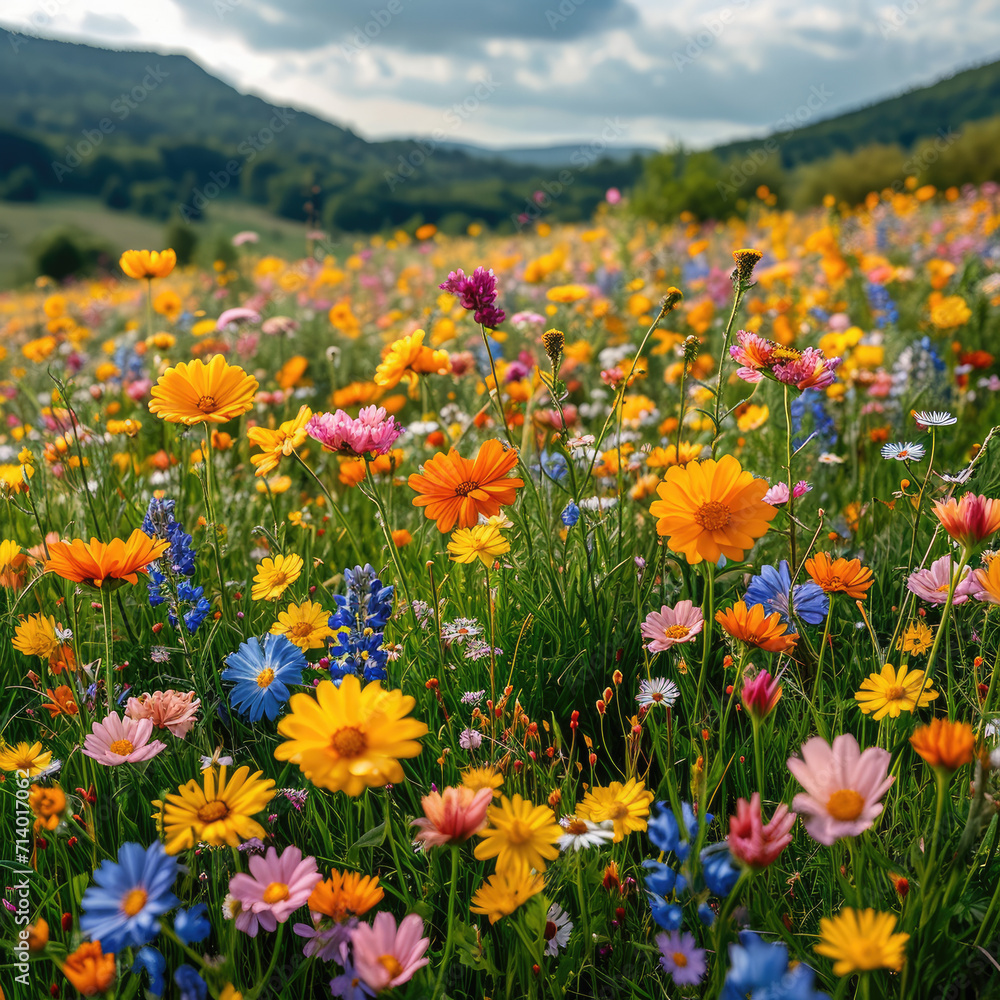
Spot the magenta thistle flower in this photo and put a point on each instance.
(670, 626)
(371, 432)
(680, 958)
(121, 741)
(761, 694)
(275, 888)
(386, 956)
(477, 292)
(751, 840)
(931, 584)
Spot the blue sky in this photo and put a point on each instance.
(552, 71)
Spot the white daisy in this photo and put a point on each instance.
(658, 691)
(582, 833)
(908, 452)
(828, 458)
(557, 929)
(934, 418)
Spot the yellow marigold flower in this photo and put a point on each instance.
(752, 418)
(406, 358)
(36, 636)
(275, 444)
(275, 576)
(500, 895)
(484, 542)
(89, 969)
(29, 759)
(949, 312)
(168, 304)
(48, 805)
(567, 293)
(520, 835)
(40, 349)
(860, 941)
(945, 745)
(14, 478)
(890, 692)
(148, 263)
(276, 484)
(627, 805)
(482, 777)
(306, 625)
(917, 638)
(194, 393)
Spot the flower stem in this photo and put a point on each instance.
(449, 939)
(717, 419)
(108, 647)
(707, 644)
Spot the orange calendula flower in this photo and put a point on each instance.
(840, 576)
(710, 509)
(96, 563)
(455, 490)
(89, 969)
(148, 263)
(61, 701)
(408, 357)
(969, 520)
(48, 805)
(195, 393)
(346, 894)
(756, 627)
(945, 745)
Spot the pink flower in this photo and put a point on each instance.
(970, 519)
(372, 431)
(385, 957)
(842, 785)
(275, 888)
(751, 841)
(932, 584)
(778, 493)
(453, 816)
(760, 694)
(280, 324)
(247, 236)
(612, 196)
(168, 709)
(121, 741)
(669, 626)
(238, 314)
(812, 370)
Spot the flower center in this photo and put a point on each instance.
(676, 631)
(134, 902)
(576, 827)
(943, 589)
(275, 892)
(894, 693)
(845, 804)
(212, 811)
(349, 742)
(656, 696)
(300, 630)
(121, 747)
(265, 678)
(868, 954)
(550, 930)
(391, 965)
(279, 580)
(519, 832)
(207, 404)
(680, 959)
(713, 515)
(618, 810)
(464, 489)
(833, 583)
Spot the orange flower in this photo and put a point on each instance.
(408, 356)
(970, 519)
(454, 490)
(148, 263)
(62, 701)
(452, 816)
(89, 969)
(346, 894)
(756, 627)
(194, 393)
(946, 745)
(709, 509)
(48, 805)
(840, 576)
(95, 562)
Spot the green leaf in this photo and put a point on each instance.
(371, 838)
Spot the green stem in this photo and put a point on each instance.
(349, 529)
(108, 647)
(707, 643)
(717, 419)
(790, 505)
(758, 755)
(449, 939)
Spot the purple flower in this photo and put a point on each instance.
(681, 960)
(932, 584)
(478, 292)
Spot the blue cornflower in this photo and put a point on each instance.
(718, 868)
(192, 925)
(665, 832)
(796, 984)
(191, 985)
(154, 964)
(198, 606)
(661, 879)
(355, 654)
(771, 588)
(706, 914)
(122, 909)
(552, 464)
(761, 969)
(349, 985)
(263, 675)
(570, 514)
(361, 615)
(668, 915)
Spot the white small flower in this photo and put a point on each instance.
(828, 458)
(658, 691)
(582, 833)
(934, 418)
(557, 929)
(908, 452)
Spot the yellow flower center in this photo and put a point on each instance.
(680, 959)
(275, 892)
(349, 742)
(207, 404)
(943, 589)
(134, 902)
(618, 810)
(121, 747)
(713, 515)
(845, 805)
(300, 630)
(519, 832)
(279, 580)
(212, 811)
(894, 693)
(868, 955)
(391, 965)
(265, 678)
(676, 631)
(464, 489)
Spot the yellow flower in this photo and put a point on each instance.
(275, 576)
(949, 312)
(917, 638)
(482, 777)
(521, 836)
(194, 393)
(27, 758)
(276, 485)
(14, 478)
(500, 895)
(348, 738)
(890, 692)
(148, 263)
(860, 941)
(36, 636)
(275, 444)
(305, 624)
(406, 358)
(627, 805)
(567, 293)
(219, 812)
(483, 542)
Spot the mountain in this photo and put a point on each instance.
(566, 155)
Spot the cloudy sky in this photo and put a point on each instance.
(539, 72)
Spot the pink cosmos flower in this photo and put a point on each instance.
(751, 840)
(386, 957)
(121, 741)
(247, 236)
(813, 370)
(169, 709)
(778, 493)
(670, 626)
(452, 816)
(280, 325)
(372, 431)
(842, 785)
(238, 314)
(931, 584)
(761, 694)
(275, 888)
(753, 354)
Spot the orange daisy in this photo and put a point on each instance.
(840, 576)
(96, 563)
(946, 745)
(710, 509)
(454, 490)
(756, 627)
(148, 263)
(195, 393)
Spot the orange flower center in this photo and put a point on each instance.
(894, 693)
(121, 747)
(275, 892)
(519, 832)
(300, 630)
(265, 678)
(832, 583)
(134, 902)
(656, 696)
(680, 959)
(279, 580)
(212, 811)
(349, 742)
(207, 404)
(576, 827)
(464, 489)
(618, 810)
(713, 515)
(677, 631)
(391, 965)
(845, 805)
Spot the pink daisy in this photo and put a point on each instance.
(751, 840)
(121, 741)
(932, 584)
(275, 888)
(670, 626)
(452, 816)
(842, 785)
(385, 957)
(169, 709)
(372, 431)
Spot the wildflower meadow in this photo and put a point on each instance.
(601, 611)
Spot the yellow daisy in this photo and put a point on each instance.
(29, 759)
(305, 624)
(275, 576)
(891, 692)
(860, 941)
(627, 805)
(521, 836)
